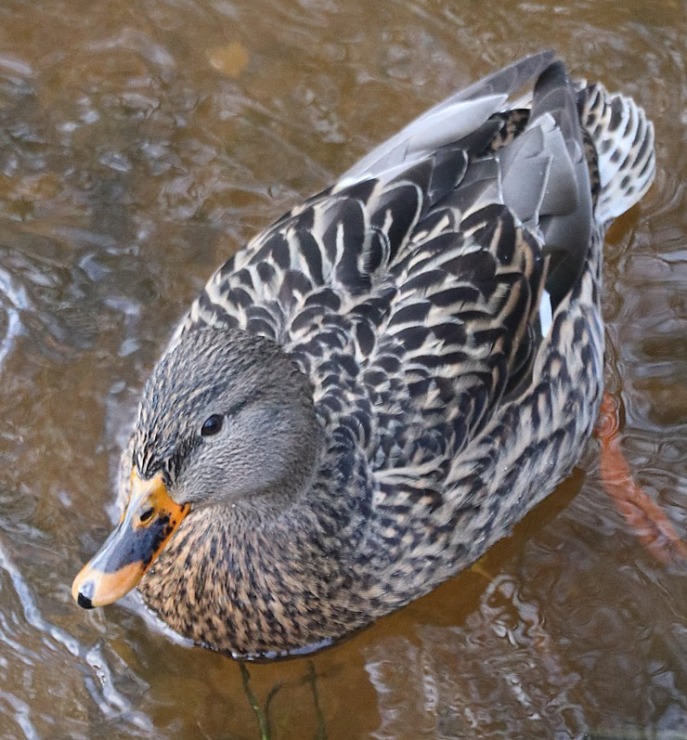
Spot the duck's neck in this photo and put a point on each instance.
(257, 580)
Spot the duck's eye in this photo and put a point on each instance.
(212, 425)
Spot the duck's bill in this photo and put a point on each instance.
(150, 519)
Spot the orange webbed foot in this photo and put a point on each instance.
(653, 528)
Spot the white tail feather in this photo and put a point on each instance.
(624, 141)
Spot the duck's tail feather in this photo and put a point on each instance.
(624, 141)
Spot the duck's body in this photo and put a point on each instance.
(427, 330)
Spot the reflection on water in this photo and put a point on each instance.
(441, 675)
(139, 145)
(14, 300)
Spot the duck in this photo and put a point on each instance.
(382, 383)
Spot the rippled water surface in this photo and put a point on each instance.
(140, 143)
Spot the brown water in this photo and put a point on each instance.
(140, 143)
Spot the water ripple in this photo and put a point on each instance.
(111, 703)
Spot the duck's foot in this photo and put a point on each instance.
(643, 515)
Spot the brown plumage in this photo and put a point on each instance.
(387, 379)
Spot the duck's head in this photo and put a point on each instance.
(226, 420)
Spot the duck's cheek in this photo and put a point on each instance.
(150, 519)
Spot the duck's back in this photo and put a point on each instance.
(416, 290)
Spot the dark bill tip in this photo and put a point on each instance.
(84, 602)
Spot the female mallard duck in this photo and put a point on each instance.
(380, 385)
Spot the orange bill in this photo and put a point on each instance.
(149, 520)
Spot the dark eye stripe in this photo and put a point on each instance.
(212, 425)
